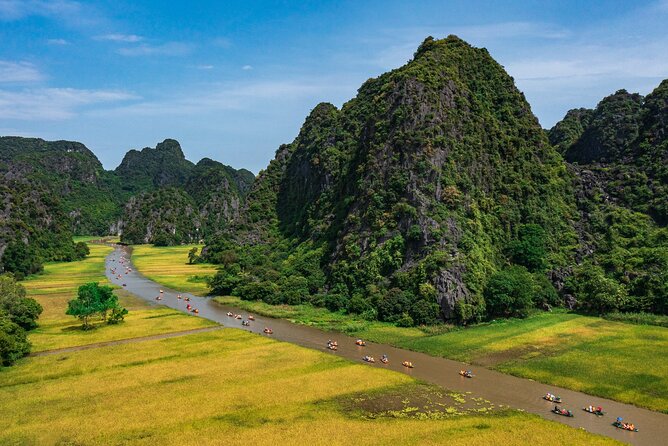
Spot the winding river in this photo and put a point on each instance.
(496, 387)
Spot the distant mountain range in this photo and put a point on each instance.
(52, 190)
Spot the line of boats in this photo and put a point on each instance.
(592, 409)
(333, 345)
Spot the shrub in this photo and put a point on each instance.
(509, 292)
(405, 321)
(358, 305)
(596, 292)
(529, 249)
(22, 310)
(425, 313)
(13, 341)
(335, 302)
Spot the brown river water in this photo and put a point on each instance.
(500, 389)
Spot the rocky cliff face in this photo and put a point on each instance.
(179, 202)
(419, 182)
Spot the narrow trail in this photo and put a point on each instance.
(499, 388)
(77, 348)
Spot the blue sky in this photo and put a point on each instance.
(233, 80)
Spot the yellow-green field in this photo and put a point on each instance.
(169, 266)
(620, 361)
(228, 387)
(58, 284)
(588, 354)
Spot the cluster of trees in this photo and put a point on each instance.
(96, 301)
(18, 315)
(407, 298)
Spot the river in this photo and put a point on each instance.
(499, 388)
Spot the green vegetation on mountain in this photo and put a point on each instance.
(619, 153)
(53, 189)
(402, 205)
(435, 194)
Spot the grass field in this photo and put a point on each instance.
(620, 361)
(169, 266)
(230, 387)
(58, 284)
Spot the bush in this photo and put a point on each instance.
(466, 312)
(357, 305)
(22, 310)
(225, 280)
(425, 313)
(544, 292)
(294, 289)
(596, 292)
(81, 250)
(394, 304)
(509, 292)
(13, 341)
(335, 302)
(405, 321)
(529, 248)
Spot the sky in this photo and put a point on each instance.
(233, 80)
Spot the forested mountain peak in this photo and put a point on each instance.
(417, 184)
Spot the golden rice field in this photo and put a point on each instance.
(229, 387)
(169, 266)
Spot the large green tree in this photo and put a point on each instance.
(95, 300)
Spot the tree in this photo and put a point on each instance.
(529, 248)
(13, 340)
(509, 292)
(94, 299)
(81, 250)
(294, 289)
(596, 292)
(22, 310)
(192, 255)
(20, 259)
(424, 312)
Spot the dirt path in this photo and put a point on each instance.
(77, 348)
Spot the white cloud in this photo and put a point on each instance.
(18, 72)
(71, 13)
(166, 49)
(57, 42)
(235, 96)
(125, 38)
(54, 103)
(205, 67)
(247, 67)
